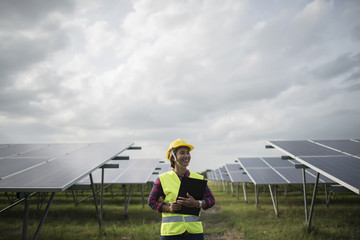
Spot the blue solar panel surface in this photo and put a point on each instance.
(338, 160)
(10, 166)
(347, 146)
(344, 169)
(10, 150)
(305, 148)
(271, 170)
(55, 175)
(223, 174)
(236, 173)
(252, 163)
(134, 171)
(159, 169)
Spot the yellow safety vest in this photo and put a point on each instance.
(174, 223)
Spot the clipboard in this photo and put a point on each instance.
(196, 188)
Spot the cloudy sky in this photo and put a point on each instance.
(226, 76)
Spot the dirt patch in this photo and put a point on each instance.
(230, 234)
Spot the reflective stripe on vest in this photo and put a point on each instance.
(174, 223)
(181, 219)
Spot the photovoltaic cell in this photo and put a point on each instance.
(17, 149)
(347, 146)
(235, 167)
(239, 177)
(277, 171)
(60, 173)
(305, 148)
(236, 173)
(159, 169)
(223, 174)
(54, 150)
(265, 176)
(134, 171)
(344, 170)
(277, 162)
(252, 163)
(10, 166)
(332, 164)
(139, 172)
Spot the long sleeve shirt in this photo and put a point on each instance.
(157, 192)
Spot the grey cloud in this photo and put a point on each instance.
(34, 100)
(17, 14)
(18, 52)
(29, 34)
(342, 64)
(356, 32)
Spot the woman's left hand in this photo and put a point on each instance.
(188, 202)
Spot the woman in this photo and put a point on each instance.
(166, 186)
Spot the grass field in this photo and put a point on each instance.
(231, 218)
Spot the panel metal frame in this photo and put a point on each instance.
(302, 159)
(31, 191)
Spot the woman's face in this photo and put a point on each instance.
(183, 156)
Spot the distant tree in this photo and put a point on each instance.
(204, 173)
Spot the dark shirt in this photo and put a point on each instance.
(157, 192)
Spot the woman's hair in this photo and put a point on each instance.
(172, 160)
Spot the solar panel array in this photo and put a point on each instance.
(134, 171)
(339, 160)
(274, 170)
(160, 168)
(51, 167)
(236, 173)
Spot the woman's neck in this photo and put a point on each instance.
(179, 171)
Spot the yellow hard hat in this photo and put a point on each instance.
(178, 143)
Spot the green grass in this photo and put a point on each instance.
(341, 220)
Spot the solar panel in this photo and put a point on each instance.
(276, 162)
(252, 163)
(272, 170)
(218, 175)
(159, 169)
(223, 174)
(265, 176)
(305, 148)
(10, 166)
(329, 161)
(233, 167)
(236, 173)
(347, 146)
(211, 175)
(139, 172)
(54, 150)
(58, 174)
(343, 170)
(10, 150)
(134, 171)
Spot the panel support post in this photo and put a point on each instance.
(237, 191)
(313, 200)
(304, 191)
(245, 192)
(256, 195)
(127, 198)
(26, 217)
(274, 198)
(142, 194)
(95, 200)
(102, 195)
(44, 216)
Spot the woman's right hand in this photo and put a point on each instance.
(174, 207)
